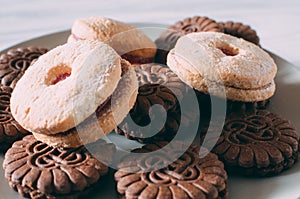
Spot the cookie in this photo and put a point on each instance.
(15, 62)
(65, 86)
(168, 38)
(226, 107)
(10, 129)
(158, 85)
(224, 66)
(240, 30)
(259, 143)
(188, 177)
(130, 42)
(37, 170)
(106, 117)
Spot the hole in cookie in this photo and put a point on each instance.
(227, 48)
(57, 74)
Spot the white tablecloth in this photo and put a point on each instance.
(276, 21)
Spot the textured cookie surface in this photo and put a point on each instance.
(188, 177)
(158, 85)
(240, 30)
(259, 143)
(36, 170)
(65, 86)
(229, 65)
(106, 118)
(15, 62)
(131, 43)
(10, 130)
(168, 38)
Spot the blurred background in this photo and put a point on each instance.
(276, 21)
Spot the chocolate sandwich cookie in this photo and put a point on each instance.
(206, 102)
(158, 85)
(15, 62)
(240, 30)
(259, 143)
(168, 38)
(39, 171)
(190, 176)
(10, 129)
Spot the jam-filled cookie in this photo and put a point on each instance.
(70, 84)
(225, 66)
(130, 42)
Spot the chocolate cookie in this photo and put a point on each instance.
(14, 63)
(259, 143)
(168, 38)
(188, 177)
(240, 30)
(37, 170)
(10, 129)
(205, 103)
(158, 85)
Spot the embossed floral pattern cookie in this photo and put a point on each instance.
(10, 129)
(168, 38)
(188, 177)
(260, 143)
(37, 170)
(158, 85)
(240, 30)
(15, 62)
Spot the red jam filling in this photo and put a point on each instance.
(60, 78)
(227, 52)
(76, 38)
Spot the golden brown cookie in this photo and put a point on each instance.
(224, 66)
(106, 117)
(58, 96)
(130, 42)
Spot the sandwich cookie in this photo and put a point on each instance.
(258, 143)
(240, 30)
(67, 85)
(224, 66)
(106, 117)
(15, 62)
(190, 176)
(131, 43)
(10, 129)
(158, 85)
(36, 170)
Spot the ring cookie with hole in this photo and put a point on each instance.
(224, 66)
(70, 84)
(130, 42)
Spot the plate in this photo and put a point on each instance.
(285, 102)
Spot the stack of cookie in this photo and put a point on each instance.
(13, 64)
(225, 61)
(104, 79)
(66, 108)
